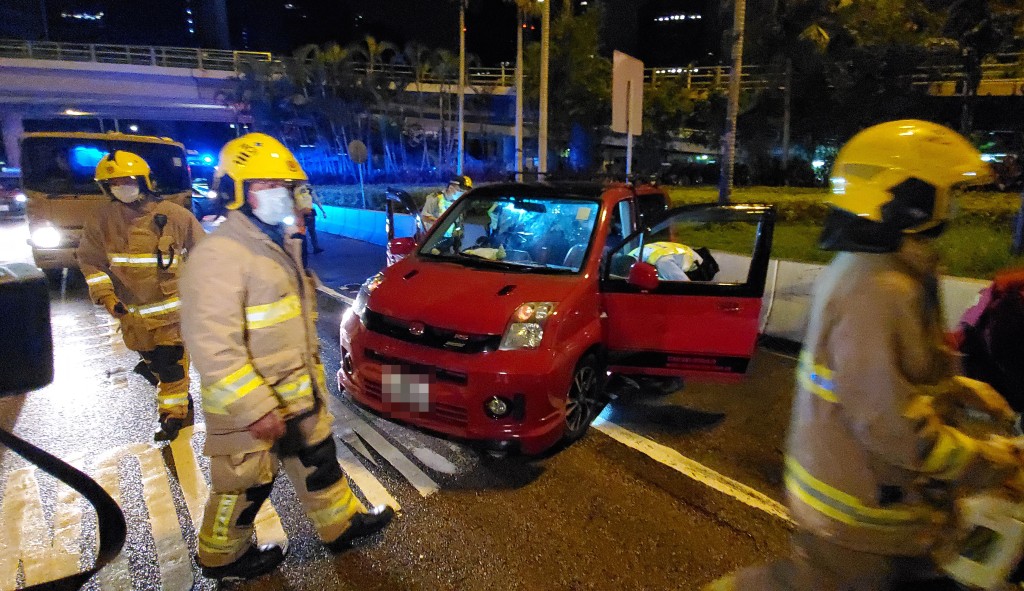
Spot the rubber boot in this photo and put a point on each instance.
(363, 524)
(256, 562)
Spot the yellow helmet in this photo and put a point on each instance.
(901, 174)
(255, 156)
(120, 164)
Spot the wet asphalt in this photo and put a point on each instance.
(597, 515)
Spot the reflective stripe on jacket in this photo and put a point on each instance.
(655, 251)
(119, 256)
(248, 318)
(864, 433)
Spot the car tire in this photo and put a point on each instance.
(54, 277)
(585, 398)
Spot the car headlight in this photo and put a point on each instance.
(46, 237)
(359, 306)
(20, 198)
(526, 327)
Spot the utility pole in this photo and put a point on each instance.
(462, 86)
(519, 96)
(729, 147)
(545, 58)
(786, 114)
(46, 20)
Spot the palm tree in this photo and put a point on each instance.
(417, 56)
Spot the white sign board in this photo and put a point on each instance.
(627, 94)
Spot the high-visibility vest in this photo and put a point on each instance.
(656, 250)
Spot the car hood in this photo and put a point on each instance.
(467, 299)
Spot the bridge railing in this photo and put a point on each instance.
(136, 55)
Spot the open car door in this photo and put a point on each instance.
(405, 231)
(683, 298)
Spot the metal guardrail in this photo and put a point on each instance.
(1003, 66)
(135, 55)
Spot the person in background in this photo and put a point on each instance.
(130, 255)
(438, 203)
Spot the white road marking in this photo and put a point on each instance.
(190, 477)
(434, 461)
(695, 470)
(117, 574)
(417, 477)
(171, 552)
(334, 294)
(366, 482)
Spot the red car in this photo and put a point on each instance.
(503, 324)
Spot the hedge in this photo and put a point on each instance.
(810, 205)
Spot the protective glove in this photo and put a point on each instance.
(114, 306)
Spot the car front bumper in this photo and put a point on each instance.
(459, 385)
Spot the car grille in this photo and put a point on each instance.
(430, 336)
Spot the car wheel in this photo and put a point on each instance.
(584, 399)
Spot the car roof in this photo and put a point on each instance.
(608, 193)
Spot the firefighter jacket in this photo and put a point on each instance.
(134, 252)
(249, 321)
(866, 445)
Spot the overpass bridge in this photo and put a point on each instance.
(48, 80)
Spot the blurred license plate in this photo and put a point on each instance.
(405, 388)
(5, 208)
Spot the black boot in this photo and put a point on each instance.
(363, 524)
(169, 429)
(257, 561)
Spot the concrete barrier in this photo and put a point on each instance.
(363, 224)
(790, 285)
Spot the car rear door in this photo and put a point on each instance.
(699, 324)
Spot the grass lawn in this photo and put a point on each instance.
(976, 245)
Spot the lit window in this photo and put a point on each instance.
(674, 18)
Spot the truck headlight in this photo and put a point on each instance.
(20, 198)
(526, 327)
(46, 237)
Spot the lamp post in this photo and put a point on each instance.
(462, 86)
(545, 59)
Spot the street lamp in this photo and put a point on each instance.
(545, 58)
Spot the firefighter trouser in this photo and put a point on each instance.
(242, 482)
(169, 363)
(819, 565)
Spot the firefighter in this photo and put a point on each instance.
(131, 253)
(437, 203)
(248, 316)
(872, 465)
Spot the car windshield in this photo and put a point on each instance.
(60, 165)
(544, 234)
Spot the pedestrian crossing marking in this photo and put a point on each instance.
(172, 553)
(423, 483)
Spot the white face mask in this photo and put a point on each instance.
(125, 193)
(274, 206)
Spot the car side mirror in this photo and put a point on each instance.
(644, 276)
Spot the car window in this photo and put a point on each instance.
(523, 233)
(68, 165)
(717, 252)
